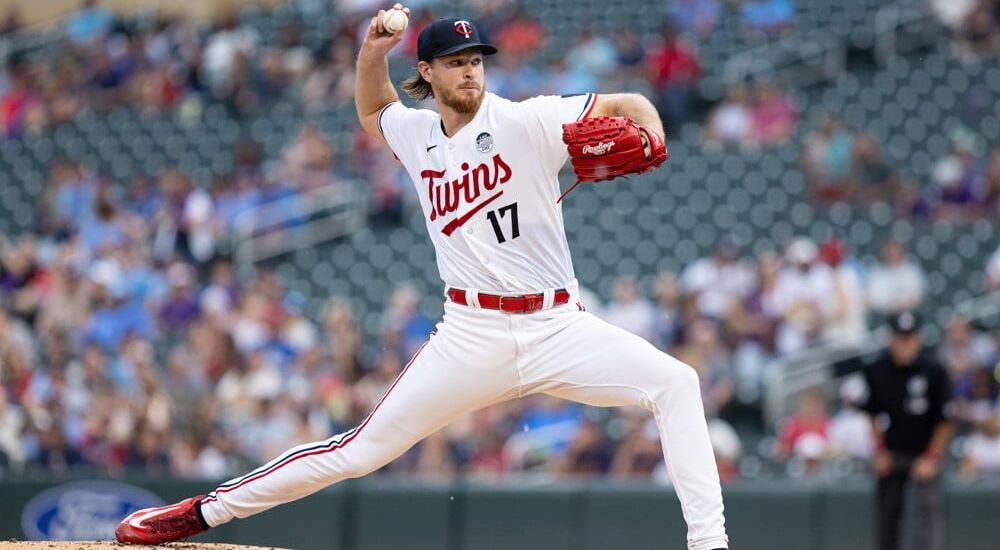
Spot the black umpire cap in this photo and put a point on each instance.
(447, 36)
(904, 323)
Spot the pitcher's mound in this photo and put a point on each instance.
(108, 545)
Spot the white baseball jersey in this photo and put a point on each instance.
(489, 192)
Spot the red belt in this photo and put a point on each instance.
(526, 303)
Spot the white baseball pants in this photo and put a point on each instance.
(480, 357)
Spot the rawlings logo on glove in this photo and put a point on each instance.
(603, 148)
(598, 149)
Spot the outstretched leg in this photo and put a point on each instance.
(450, 375)
(574, 355)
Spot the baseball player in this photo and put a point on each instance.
(486, 169)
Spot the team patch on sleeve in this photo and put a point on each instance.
(588, 106)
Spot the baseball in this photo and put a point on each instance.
(394, 20)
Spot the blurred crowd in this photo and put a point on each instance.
(101, 60)
(845, 165)
(128, 342)
(121, 348)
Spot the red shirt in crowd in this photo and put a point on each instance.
(797, 426)
(673, 63)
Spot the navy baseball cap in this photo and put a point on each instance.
(447, 36)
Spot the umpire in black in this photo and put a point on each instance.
(909, 400)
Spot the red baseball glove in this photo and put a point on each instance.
(603, 148)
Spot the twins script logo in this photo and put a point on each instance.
(598, 149)
(446, 196)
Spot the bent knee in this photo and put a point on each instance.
(678, 377)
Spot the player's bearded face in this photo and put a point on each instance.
(458, 81)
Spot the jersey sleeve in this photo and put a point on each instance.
(399, 126)
(544, 117)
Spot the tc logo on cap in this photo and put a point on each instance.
(463, 28)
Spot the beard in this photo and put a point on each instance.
(461, 103)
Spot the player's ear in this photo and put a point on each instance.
(424, 68)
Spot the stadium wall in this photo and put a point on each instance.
(388, 513)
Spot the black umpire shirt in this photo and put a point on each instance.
(915, 397)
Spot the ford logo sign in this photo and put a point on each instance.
(85, 510)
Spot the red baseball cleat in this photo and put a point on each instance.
(163, 524)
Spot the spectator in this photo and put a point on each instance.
(630, 310)
(674, 71)
(809, 419)
(730, 122)
(117, 314)
(704, 351)
(728, 449)
(640, 452)
(976, 397)
(953, 13)
(847, 321)
(753, 322)
(827, 161)
(549, 427)
(436, 459)
(963, 353)
(849, 432)
(718, 282)
(519, 36)
(333, 79)
(667, 321)
(772, 115)
(89, 23)
(871, 176)
(18, 99)
(896, 284)
(591, 54)
(405, 318)
(11, 425)
(982, 451)
(701, 17)
(769, 17)
(565, 79)
(186, 223)
(513, 79)
(803, 295)
(308, 161)
(269, 77)
(959, 181)
(223, 52)
(181, 307)
(979, 33)
(588, 454)
(629, 53)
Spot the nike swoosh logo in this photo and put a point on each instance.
(135, 520)
(431, 147)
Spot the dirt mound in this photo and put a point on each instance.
(108, 545)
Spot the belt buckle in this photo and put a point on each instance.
(501, 307)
